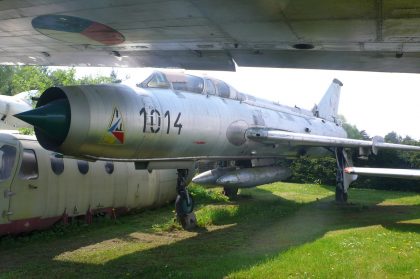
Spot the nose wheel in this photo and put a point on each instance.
(184, 204)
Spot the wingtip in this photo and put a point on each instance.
(348, 170)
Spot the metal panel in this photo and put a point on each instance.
(52, 195)
(206, 34)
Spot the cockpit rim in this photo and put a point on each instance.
(210, 85)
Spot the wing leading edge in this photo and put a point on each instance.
(268, 136)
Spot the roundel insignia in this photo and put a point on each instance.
(76, 30)
(115, 132)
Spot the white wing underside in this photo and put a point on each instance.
(295, 139)
(396, 173)
(267, 136)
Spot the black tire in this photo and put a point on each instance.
(345, 197)
(339, 194)
(230, 192)
(188, 221)
(182, 207)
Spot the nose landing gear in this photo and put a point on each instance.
(184, 204)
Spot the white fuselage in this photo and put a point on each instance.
(10, 105)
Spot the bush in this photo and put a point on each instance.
(311, 170)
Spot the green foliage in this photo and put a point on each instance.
(280, 230)
(314, 170)
(26, 131)
(390, 159)
(95, 80)
(113, 77)
(31, 78)
(63, 77)
(352, 131)
(16, 79)
(6, 76)
(201, 195)
(393, 137)
(323, 170)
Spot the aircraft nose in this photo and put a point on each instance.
(53, 119)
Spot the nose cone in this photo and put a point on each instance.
(205, 178)
(53, 119)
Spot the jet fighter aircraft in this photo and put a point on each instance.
(170, 120)
(10, 105)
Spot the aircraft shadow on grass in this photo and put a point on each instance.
(252, 235)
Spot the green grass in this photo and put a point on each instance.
(280, 230)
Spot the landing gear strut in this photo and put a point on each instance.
(340, 191)
(184, 204)
(343, 179)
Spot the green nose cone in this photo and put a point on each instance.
(53, 119)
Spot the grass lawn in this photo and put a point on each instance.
(280, 230)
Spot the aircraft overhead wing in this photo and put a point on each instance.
(367, 35)
(268, 136)
(395, 173)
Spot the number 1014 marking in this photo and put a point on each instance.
(156, 121)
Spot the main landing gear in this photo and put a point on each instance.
(184, 204)
(343, 179)
(230, 192)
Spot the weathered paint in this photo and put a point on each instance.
(213, 34)
(38, 203)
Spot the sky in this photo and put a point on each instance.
(376, 102)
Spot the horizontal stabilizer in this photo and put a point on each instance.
(395, 173)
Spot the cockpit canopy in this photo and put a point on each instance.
(190, 83)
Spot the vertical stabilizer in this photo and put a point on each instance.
(328, 106)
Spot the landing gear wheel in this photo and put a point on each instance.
(184, 212)
(188, 221)
(230, 192)
(340, 195)
(184, 204)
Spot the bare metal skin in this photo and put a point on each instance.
(163, 123)
(170, 120)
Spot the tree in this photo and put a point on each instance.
(6, 76)
(393, 137)
(364, 135)
(113, 76)
(322, 170)
(31, 78)
(351, 130)
(314, 170)
(63, 77)
(94, 80)
(24, 78)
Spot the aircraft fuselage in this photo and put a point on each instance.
(117, 121)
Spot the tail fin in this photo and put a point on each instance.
(328, 106)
